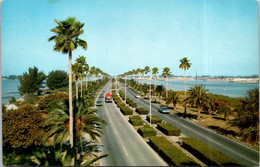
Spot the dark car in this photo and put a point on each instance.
(99, 103)
(164, 109)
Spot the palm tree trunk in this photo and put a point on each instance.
(166, 88)
(185, 92)
(77, 92)
(70, 102)
(81, 89)
(198, 117)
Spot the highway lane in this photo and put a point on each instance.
(237, 151)
(124, 146)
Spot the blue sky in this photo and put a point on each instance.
(220, 37)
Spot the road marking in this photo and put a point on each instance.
(235, 153)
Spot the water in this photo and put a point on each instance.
(231, 89)
(9, 89)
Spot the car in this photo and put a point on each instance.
(101, 96)
(103, 90)
(137, 96)
(164, 109)
(99, 103)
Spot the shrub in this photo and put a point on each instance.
(168, 129)
(170, 152)
(43, 103)
(147, 131)
(136, 120)
(131, 103)
(126, 110)
(12, 100)
(22, 128)
(154, 120)
(207, 154)
(142, 111)
(57, 79)
(32, 81)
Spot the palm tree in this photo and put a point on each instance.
(67, 40)
(174, 99)
(155, 72)
(166, 72)
(146, 71)
(198, 97)
(86, 122)
(82, 60)
(159, 90)
(77, 70)
(247, 119)
(185, 65)
(226, 111)
(92, 71)
(142, 73)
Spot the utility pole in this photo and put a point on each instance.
(150, 102)
(125, 89)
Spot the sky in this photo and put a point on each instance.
(219, 37)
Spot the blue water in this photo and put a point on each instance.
(231, 89)
(9, 89)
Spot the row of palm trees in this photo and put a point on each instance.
(66, 40)
(80, 69)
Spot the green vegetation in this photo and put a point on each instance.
(248, 117)
(136, 120)
(154, 119)
(173, 98)
(168, 129)
(43, 103)
(22, 128)
(131, 103)
(126, 110)
(57, 79)
(12, 100)
(198, 97)
(146, 131)
(32, 81)
(170, 152)
(201, 151)
(142, 111)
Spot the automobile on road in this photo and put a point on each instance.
(99, 103)
(137, 96)
(164, 109)
(101, 96)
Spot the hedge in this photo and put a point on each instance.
(142, 111)
(136, 120)
(168, 129)
(207, 154)
(131, 103)
(147, 131)
(126, 110)
(170, 152)
(154, 120)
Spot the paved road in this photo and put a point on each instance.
(237, 151)
(124, 146)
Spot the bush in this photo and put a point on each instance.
(22, 128)
(12, 100)
(147, 131)
(126, 110)
(31, 82)
(43, 103)
(171, 153)
(168, 129)
(207, 154)
(57, 79)
(136, 120)
(154, 120)
(131, 103)
(142, 111)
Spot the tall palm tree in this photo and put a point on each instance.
(86, 121)
(92, 71)
(77, 70)
(185, 65)
(166, 72)
(82, 60)
(146, 71)
(142, 73)
(159, 89)
(198, 97)
(138, 71)
(155, 72)
(173, 98)
(67, 39)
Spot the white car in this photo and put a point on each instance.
(137, 96)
